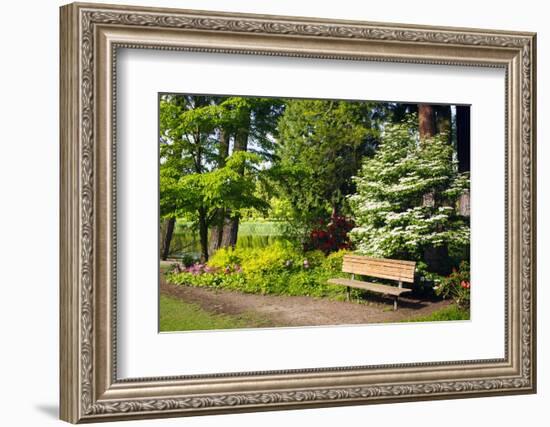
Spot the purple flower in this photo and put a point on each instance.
(197, 269)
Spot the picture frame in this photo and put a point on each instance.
(90, 388)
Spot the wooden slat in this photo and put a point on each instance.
(378, 274)
(397, 270)
(382, 268)
(373, 287)
(395, 267)
(407, 276)
(363, 258)
(374, 270)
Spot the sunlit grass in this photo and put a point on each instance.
(176, 315)
(451, 312)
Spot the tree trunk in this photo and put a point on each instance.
(216, 233)
(463, 137)
(426, 121)
(203, 235)
(170, 223)
(231, 224)
(224, 234)
(463, 149)
(426, 129)
(435, 257)
(163, 225)
(230, 232)
(443, 120)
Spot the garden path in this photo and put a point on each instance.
(301, 310)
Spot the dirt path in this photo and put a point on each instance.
(300, 310)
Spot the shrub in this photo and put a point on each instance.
(456, 286)
(333, 262)
(188, 260)
(332, 236)
(279, 256)
(313, 259)
(278, 269)
(225, 257)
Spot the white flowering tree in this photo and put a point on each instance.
(407, 196)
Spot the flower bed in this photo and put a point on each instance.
(278, 269)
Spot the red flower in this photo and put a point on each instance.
(332, 237)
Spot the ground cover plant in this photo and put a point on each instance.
(278, 269)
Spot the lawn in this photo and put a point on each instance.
(176, 315)
(451, 312)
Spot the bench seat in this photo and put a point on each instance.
(380, 268)
(373, 287)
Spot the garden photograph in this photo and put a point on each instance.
(289, 212)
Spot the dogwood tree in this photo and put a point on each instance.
(393, 218)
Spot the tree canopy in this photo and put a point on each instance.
(320, 147)
(304, 162)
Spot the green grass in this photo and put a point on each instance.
(176, 315)
(451, 312)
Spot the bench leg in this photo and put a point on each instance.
(395, 303)
(348, 293)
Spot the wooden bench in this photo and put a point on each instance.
(393, 269)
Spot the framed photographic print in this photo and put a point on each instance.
(267, 212)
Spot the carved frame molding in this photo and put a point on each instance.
(90, 37)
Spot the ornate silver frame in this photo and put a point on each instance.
(90, 35)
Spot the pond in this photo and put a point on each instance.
(185, 240)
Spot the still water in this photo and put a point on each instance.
(185, 240)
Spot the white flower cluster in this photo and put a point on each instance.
(390, 214)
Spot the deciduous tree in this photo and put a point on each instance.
(392, 220)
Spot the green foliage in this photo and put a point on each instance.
(333, 262)
(392, 219)
(200, 179)
(456, 286)
(225, 187)
(320, 146)
(188, 260)
(227, 257)
(278, 269)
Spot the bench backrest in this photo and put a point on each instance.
(382, 268)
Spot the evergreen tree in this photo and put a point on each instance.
(319, 148)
